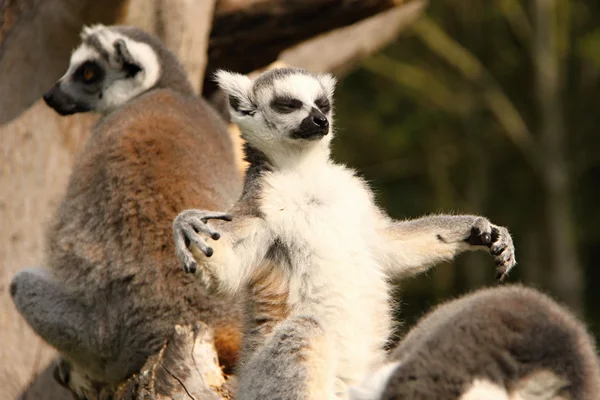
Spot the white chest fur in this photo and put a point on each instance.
(325, 217)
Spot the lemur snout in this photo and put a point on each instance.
(320, 121)
(313, 127)
(61, 102)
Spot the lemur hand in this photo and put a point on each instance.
(187, 227)
(498, 240)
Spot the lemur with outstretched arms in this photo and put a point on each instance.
(309, 248)
(113, 289)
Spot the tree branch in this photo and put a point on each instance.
(473, 70)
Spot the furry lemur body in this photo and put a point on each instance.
(308, 247)
(114, 288)
(502, 343)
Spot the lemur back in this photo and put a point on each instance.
(503, 343)
(115, 288)
(308, 247)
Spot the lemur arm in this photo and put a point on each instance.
(225, 250)
(413, 246)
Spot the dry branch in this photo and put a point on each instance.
(341, 49)
(185, 368)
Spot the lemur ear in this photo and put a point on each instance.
(328, 81)
(238, 88)
(124, 57)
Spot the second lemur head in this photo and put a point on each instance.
(283, 112)
(111, 66)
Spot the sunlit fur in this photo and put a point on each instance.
(310, 228)
(267, 129)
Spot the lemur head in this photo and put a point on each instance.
(283, 111)
(112, 65)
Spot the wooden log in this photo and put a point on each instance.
(186, 368)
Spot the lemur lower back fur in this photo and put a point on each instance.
(114, 289)
(308, 248)
(501, 343)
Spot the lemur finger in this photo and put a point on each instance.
(181, 242)
(497, 248)
(182, 252)
(505, 265)
(197, 240)
(500, 275)
(216, 215)
(200, 226)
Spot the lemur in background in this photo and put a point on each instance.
(309, 248)
(114, 288)
(503, 343)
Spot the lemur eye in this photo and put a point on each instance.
(323, 105)
(285, 105)
(89, 72)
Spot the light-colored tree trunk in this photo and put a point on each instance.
(36, 155)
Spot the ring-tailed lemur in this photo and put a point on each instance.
(503, 343)
(308, 246)
(114, 288)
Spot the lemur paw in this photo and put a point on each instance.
(500, 243)
(186, 229)
(80, 386)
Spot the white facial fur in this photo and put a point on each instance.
(269, 130)
(116, 89)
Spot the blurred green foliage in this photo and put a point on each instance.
(417, 122)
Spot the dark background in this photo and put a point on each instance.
(488, 108)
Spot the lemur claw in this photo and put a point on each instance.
(191, 268)
(186, 229)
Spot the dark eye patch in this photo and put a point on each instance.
(89, 73)
(234, 102)
(131, 70)
(323, 104)
(285, 105)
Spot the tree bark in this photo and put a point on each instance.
(566, 271)
(186, 368)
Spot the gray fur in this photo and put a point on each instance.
(285, 357)
(173, 75)
(506, 335)
(114, 290)
(267, 78)
(471, 229)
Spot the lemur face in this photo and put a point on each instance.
(105, 71)
(282, 107)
